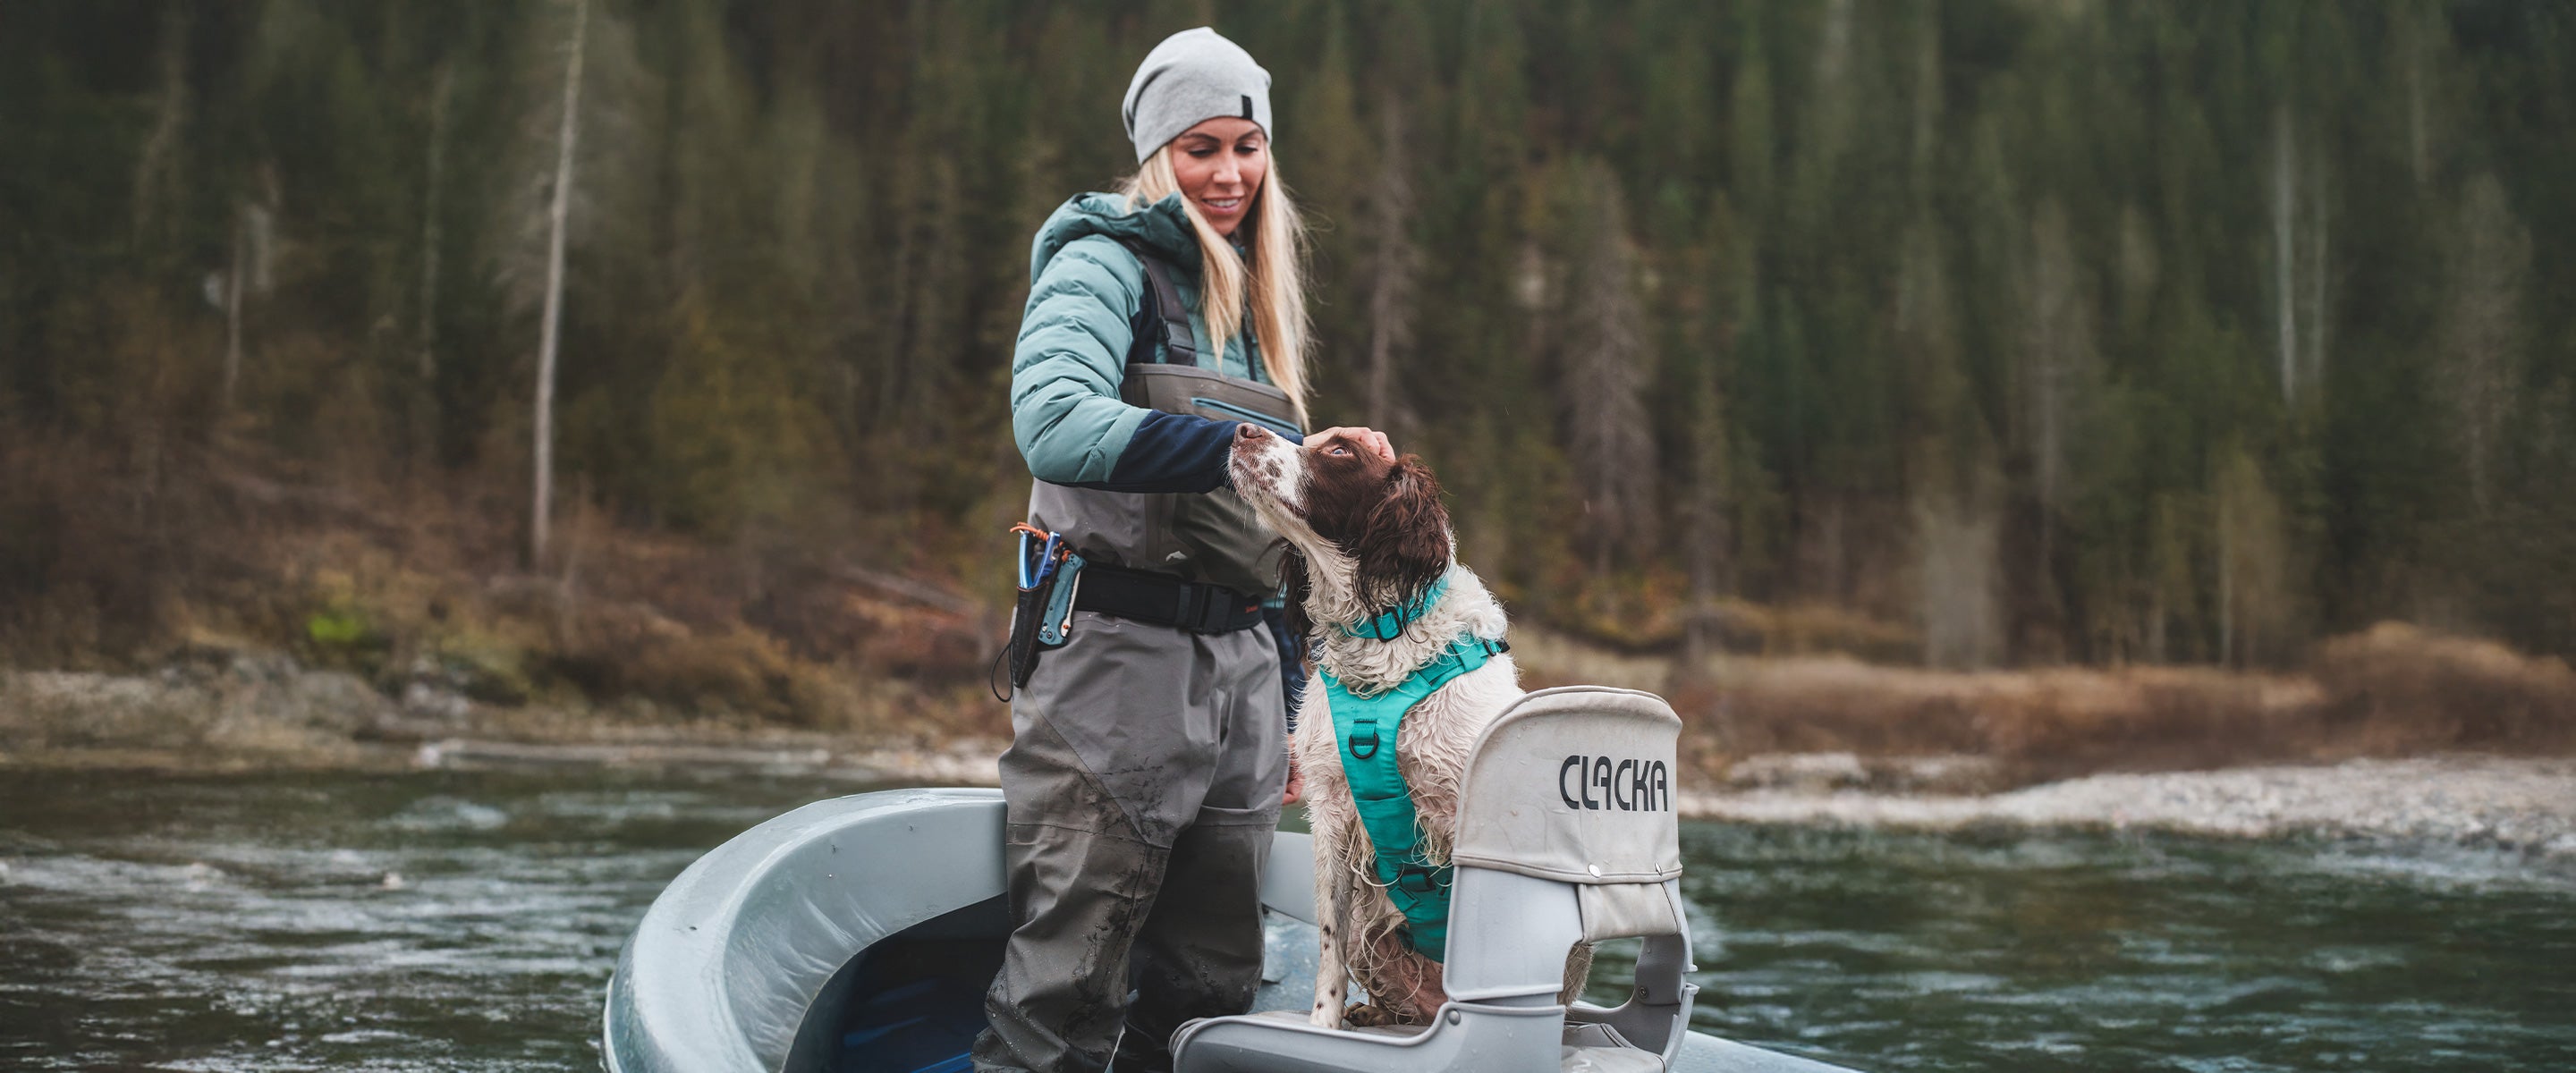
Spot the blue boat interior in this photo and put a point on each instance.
(912, 1002)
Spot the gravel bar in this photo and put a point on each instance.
(2507, 803)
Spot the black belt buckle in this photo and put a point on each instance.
(1207, 608)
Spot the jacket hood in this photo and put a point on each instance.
(1163, 227)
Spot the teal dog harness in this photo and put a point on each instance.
(1366, 729)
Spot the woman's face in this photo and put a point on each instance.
(1221, 163)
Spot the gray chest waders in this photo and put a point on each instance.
(1202, 563)
(1142, 783)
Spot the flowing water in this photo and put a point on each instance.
(468, 920)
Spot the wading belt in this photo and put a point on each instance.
(1366, 728)
(1164, 600)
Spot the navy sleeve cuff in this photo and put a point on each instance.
(1172, 453)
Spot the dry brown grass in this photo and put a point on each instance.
(2396, 688)
(126, 568)
(2391, 691)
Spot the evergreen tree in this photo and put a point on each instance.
(2154, 332)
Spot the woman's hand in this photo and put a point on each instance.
(1369, 438)
(1296, 790)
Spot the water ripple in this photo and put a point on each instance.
(457, 920)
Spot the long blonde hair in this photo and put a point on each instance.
(1275, 279)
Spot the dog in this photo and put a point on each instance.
(1366, 535)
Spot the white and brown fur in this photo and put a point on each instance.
(1366, 535)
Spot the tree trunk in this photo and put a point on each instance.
(2318, 321)
(2226, 585)
(234, 281)
(425, 405)
(156, 167)
(1391, 277)
(2490, 259)
(2419, 157)
(2285, 172)
(2062, 370)
(1708, 540)
(553, 321)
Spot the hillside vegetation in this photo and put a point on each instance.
(308, 623)
(1981, 335)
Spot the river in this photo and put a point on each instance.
(467, 920)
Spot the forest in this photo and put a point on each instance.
(1961, 333)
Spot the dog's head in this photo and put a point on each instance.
(1378, 523)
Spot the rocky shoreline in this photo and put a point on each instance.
(264, 711)
(253, 713)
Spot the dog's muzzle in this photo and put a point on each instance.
(1267, 461)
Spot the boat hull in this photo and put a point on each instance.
(855, 935)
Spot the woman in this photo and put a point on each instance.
(1148, 760)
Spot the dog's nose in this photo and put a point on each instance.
(1249, 431)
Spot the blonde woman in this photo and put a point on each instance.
(1148, 761)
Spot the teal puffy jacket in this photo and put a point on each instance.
(1084, 291)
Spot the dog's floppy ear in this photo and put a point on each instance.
(1297, 585)
(1406, 545)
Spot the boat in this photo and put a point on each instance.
(857, 935)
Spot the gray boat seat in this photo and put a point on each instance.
(1566, 834)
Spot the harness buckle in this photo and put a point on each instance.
(1417, 879)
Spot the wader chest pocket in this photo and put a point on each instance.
(1188, 389)
(1214, 408)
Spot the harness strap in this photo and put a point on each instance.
(1389, 624)
(1366, 729)
(1162, 301)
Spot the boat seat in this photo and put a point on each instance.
(1294, 1017)
(1566, 834)
(1586, 1048)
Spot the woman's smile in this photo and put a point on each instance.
(1221, 164)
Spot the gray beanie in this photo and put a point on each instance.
(1192, 76)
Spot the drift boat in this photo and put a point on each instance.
(857, 935)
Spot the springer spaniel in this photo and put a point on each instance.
(1367, 536)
